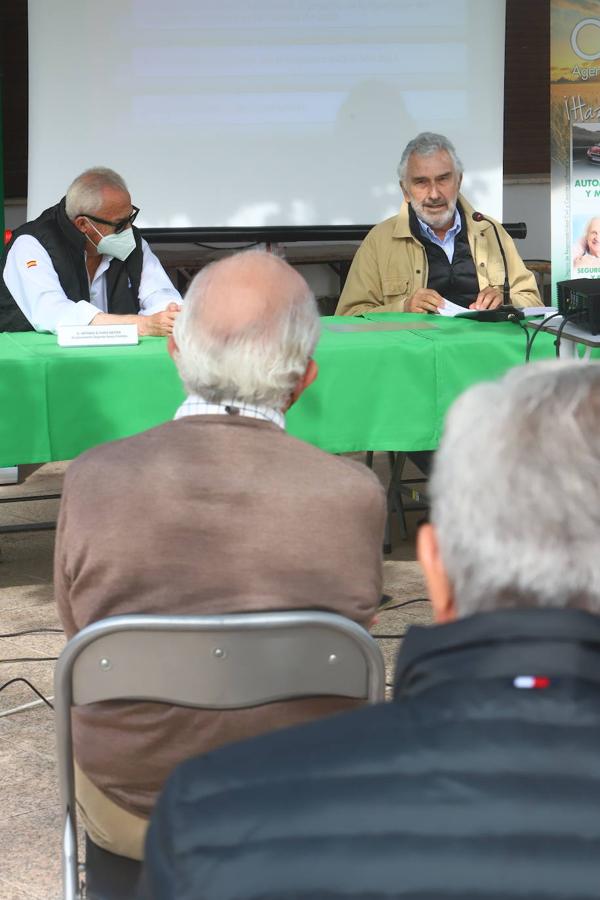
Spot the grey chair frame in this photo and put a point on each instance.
(212, 662)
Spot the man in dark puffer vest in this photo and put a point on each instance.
(82, 262)
(480, 778)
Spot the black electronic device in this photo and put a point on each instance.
(579, 299)
(503, 313)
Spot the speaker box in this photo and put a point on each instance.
(579, 298)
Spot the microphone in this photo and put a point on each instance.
(479, 217)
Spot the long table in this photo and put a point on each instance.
(377, 389)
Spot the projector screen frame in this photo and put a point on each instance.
(275, 234)
(265, 114)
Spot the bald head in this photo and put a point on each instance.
(244, 291)
(247, 330)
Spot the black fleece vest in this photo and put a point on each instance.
(456, 280)
(65, 246)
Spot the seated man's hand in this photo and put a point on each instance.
(489, 298)
(424, 300)
(161, 323)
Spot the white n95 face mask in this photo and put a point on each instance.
(117, 245)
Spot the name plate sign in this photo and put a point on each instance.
(96, 335)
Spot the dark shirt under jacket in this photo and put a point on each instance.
(456, 280)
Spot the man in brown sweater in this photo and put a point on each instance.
(217, 511)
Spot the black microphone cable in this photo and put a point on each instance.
(29, 685)
(574, 315)
(518, 321)
(534, 333)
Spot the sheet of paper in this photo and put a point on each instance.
(453, 309)
(539, 311)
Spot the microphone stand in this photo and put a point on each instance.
(479, 217)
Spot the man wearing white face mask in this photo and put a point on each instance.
(83, 262)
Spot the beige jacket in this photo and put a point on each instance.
(391, 264)
(207, 514)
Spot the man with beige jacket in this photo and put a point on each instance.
(216, 511)
(434, 250)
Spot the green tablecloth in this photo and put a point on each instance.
(390, 390)
(379, 390)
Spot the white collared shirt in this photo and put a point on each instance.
(194, 405)
(447, 242)
(32, 280)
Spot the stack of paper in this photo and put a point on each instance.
(453, 309)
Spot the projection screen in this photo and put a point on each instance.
(262, 112)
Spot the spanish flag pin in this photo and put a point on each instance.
(31, 263)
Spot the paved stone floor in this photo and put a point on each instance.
(29, 826)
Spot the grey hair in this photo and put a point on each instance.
(262, 361)
(515, 491)
(84, 195)
(424, 144)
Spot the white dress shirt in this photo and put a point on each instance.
(32, 280)
(195, 405)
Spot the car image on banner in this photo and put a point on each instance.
(593, 154)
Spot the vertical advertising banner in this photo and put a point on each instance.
(575, 138)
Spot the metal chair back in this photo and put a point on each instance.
(212, 662)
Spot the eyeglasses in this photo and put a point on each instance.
(120, 225)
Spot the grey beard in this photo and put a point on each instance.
(429, 217)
